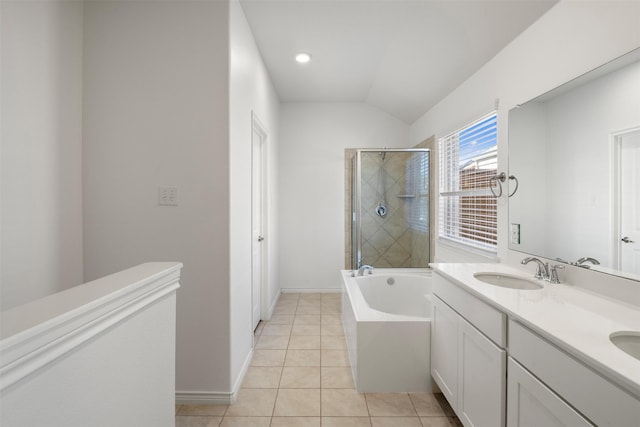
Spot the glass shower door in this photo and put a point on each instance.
(390, 226)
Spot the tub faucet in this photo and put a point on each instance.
(363, 268)
(542, 272)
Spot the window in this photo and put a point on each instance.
(417, 187)
(468, 161)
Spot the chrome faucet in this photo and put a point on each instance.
(542, 271)
(363, 268)
(587, 259)
(553, 273)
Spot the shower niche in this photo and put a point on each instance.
(389, 221)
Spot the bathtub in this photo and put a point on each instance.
(387, 323)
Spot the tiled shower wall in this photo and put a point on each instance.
(388, 241)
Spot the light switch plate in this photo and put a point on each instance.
(515, 233)
(168, 196)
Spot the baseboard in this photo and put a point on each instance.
(273, 306)
(240, 378)
(227, 398)
(215, 398)
(311, 291)
(204, 398)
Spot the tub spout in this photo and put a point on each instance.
(363, 268)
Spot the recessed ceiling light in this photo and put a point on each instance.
(303, 58)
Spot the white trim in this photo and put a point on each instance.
(258, 127)
(311, 290)
(451, 210)
(615, 140)
(483, 112)
(489, 255)
(614, 167)
(215, 397)
(243, 372)
(273, 306)
(204, 398)
(84, 312)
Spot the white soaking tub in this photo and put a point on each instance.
(387, 324)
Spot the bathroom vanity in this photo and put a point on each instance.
(507, 349)
(468, 356)
(511, 350)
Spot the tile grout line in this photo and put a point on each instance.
(284, 361)
(366, 402)
(321, 348)
(320, 368)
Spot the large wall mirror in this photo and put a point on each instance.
(576, 154)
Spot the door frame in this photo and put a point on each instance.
(615, 139)
(259, 128)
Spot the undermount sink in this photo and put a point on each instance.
(627, 341)
(507, 281)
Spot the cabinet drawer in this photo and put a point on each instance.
(601, 401)
(487, 319)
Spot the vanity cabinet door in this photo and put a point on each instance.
(481, 378)
(444, 350)
(532, 404)
(468, 367)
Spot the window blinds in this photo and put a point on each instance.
(468, 161)
(417, 185)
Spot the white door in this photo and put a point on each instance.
(258, 198)
(630, 202)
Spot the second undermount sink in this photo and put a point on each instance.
(627, 341)
(508, 281)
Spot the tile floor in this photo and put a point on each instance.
(300, 376)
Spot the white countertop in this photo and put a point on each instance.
(60, 306)
(576, 320)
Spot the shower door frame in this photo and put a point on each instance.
(356, 199)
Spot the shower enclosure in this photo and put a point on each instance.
(390, 208)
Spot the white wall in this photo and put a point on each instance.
(156, 96)
(570, 39)
(41, 96)
(156, 112)
(579, 198)
(251, 90)
(528, 125)
(104, 353)
(313, 137)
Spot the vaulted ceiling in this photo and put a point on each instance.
(402, 56)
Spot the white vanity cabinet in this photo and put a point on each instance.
(557, 382)
(468, 361)
(559, 367)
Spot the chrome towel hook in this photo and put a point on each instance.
(499, 179)
(515, 189)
